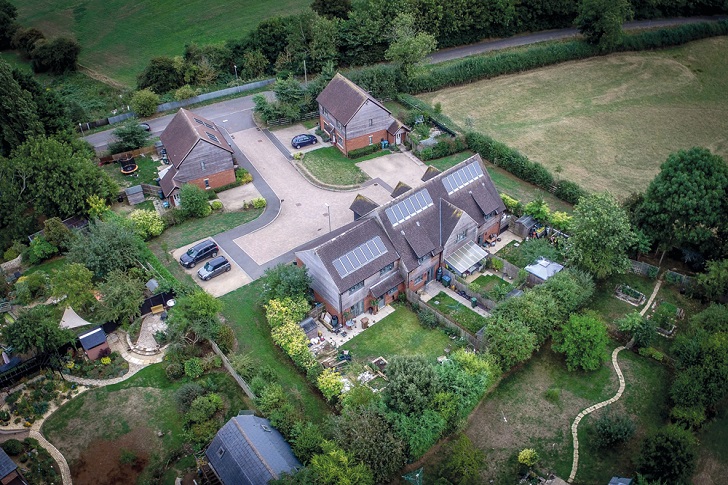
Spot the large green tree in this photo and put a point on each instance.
(122, 294)
(107, 246)
(129, 136)
(73, 281)
(409, 47)
(58, 56)
(412, 385)
(600, 236)
(687, 201)
(668, 455)
(715, 280)
(18, 112)
(509, 341)
(600, 21)
(8, 14)
(335, 466)
(36, 329)
(285, 280)
(194, 317)
(583, 340)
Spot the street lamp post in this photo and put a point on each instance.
(235, 66)
(328, 213)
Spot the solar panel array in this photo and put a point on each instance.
(359, 256)
(204, 123)
(406, 208)
(462, 177)
(212, 137)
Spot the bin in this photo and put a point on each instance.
(473, 302)
(446, 280)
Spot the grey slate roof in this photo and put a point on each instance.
(6, 464)
(544, 269)
(400, 189)
(92, 338)
(247, 450)
(620, 481)
(184, 132)
(342, 98)
(362, 205)
(387, 284)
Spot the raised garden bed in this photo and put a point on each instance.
(666, 315)
(628, 294)
(36, 464)
(108, 367)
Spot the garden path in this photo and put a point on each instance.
(591, 409)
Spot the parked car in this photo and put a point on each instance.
(303, 140)
(213, 268)
(198, 252)
(145, 126)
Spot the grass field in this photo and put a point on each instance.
(330, 166)
(118, 38)
(398, 334)
(147, 174)
(610, 121)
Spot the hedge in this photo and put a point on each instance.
(367, 150)
(443, 148)
(419, 105)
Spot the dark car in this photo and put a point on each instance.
(213, 268)
(145, 126)
(198, 252)
(303, 140)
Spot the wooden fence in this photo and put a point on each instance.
(443, 320)
(509, 269)
(118, 156)
(644, 269)
(228, 366)
(288, 121)
(461, 285)
(679, 279)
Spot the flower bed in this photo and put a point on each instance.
(33, 400)
(37, 465)
(108, 367)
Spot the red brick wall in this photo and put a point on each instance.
(363, 141)
(216, 180)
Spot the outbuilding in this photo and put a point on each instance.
(94, 343)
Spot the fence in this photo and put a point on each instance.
(443, 320)
(228, 366)
(644, 269)
(288, 121)
(118, 156)
(679, 279)
(461, 285)
(509, 269)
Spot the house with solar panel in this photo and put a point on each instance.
(354, 119)
(443, 222)
(198, 154)
(248, 450)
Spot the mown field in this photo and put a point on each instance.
(118, 38)
(608, 122)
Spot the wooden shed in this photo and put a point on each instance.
(94, 343)
(135, 195)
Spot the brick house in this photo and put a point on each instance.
(354, 119)
(399, 245)
(198, 154)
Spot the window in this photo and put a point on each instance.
(356, 287)
(339, 141)
(419, 279)
(220, 452)
(386, 269)
(207, 183)
(371, 140)
(339, 125)
(423, 259)
(462, 235)
(202, 166)
(392, 291)
(371, 123)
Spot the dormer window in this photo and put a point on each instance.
(386, 269)
(462, 235)
(423, 259)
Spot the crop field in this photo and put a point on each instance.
(606, 123)
(118, 37)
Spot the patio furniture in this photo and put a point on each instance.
(365, 322)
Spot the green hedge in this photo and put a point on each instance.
(362, 152)
(424, 108)
(444, 148)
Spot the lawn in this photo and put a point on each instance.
(609, 306)
(488, 282)
(118, 39)
(713, 452)
(398, 334)
(246, 316)
(525, 253)
(50, 266)
(458, 312)
(147, 174)
(608, 122)
(92, 430)
(330, 166)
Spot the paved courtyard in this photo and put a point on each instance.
(233, 199)
(394, 168)
(285, 135)
(220, 285)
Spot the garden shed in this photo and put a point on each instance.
(94, 343)
(309, 327)
(9, 472)
(524, 226)
(135, 195)
(541, 270)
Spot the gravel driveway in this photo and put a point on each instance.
(220, 285)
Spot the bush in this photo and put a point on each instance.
(13, 447)
(194, 201)
(512, 205)
(40, 250)
(146, 223)
(225, 338)
(244, 365)
(204, 407)
(173, 217)
(144, 103)
(14, 251)
(194, 368)
(367, 150)
(569, 191)
(243, 176)
(185, 92)
(651, 352)
(216, 205)
(259, 203)
(426, 318)
(613, 429)
(58, 56)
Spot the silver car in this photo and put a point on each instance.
(213, 268)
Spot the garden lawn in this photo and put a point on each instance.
(398, 334)
(462, 314)
(330, 166)
(528, 252)
(608, 306)
(488, 282)
(118, 39)
(246, 316)
(50, 266)
(610, 121)
(148, 172)
(92, 430)
(713, 450)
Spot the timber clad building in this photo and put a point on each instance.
(198, 154)
(401, 244)
(354, 119)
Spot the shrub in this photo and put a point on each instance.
(204, 408)
(651, 352)
(259, 203)
(40, 250)
(243, 176)
(186, 394)
(127, 457)
(185, 92)
(194, 368)
(216, 205)
(569, 191)
(146, 223)
(512, 205)
(426, 318)
(211, 361)
(144, 103)
(691, 417)
(244, 365)
(13, 447)
(528, 457)
(194, 201)
(14, 251)
(330, 384)
(367, 150)
(225, 338)
(553, 394)
(613, 429)
(173, 217)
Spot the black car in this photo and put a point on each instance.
(198, 252)
(214, 267)
(145, 126)
(303, 140)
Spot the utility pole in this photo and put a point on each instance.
(305, 76)
(237, 83)
(328, 213)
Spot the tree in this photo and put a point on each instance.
(365, 433)
(509, 341)
(129, 136)
(36, 329)
(600, 236)
(331, 10)
(408, 47)
(306, 442)
(144, 103)
(714, 281)
(285, 280)
(122, 295)
(8, 14)
(73, 281)
(536, 307)
(56, 233)
(538, 209)
(330, 384)
(560, 220)
(420, 432)
(58, 56)
(584, 340)
(254, 64)
(194, 317)
(685, 203)
(105, 247)
(334, 466)
(412, 385)
(668, 455)
(286, 310)
(640, 329)
(613, 429)
(195, 202)
(18, 112)
(24, 40)
(600, 21)
(146, 223)
(161, 75)
(464, 462)
(528, 457)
